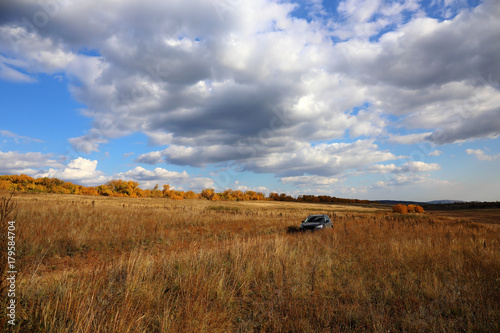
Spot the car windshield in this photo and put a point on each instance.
(314, 219)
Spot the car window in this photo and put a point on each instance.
(314, 219)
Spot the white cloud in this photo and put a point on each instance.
(17, 137)
(154, 157)
(80, 171)
(88, 143)
(127, 155)
(245, 188)
(323, 159)
(408, 167)
(303, 181)
(177, 180)
(481, 155)
(409, 139)
(13, 162)
(10, 74)
(408, 180)
(435, 153)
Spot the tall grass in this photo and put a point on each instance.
(136, 265)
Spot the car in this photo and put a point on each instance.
(316, 222)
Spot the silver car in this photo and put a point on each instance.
(316, 222)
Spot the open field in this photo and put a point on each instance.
(474, 215)
(97, 264)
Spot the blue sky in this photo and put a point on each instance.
(364, 99)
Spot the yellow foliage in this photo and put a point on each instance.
(400, 208)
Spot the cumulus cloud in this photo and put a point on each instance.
(13, 162)
(435, 153)
(154, 157)
(303, 181)
(481, 155)
(407, 179)
(178, 180)
(80, 171)
(87, 143)
(408, 167)
(244, 188)
(323, 159)
(409, 139)
(84, 171)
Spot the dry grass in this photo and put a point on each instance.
(155, 265)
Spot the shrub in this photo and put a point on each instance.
(400, 208)
(419, 209)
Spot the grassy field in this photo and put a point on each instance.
(96, 264)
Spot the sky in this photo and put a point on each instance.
(364, 99)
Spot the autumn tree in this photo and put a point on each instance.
(190, 195)
(274, 196)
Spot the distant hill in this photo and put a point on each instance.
(445, 204)
(444, 201)
(395, 202)
(435, 202)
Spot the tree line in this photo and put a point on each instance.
(123, 188)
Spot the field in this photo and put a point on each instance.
(97, 264)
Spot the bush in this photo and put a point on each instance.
(400, 208)
(419, 209)
(403, 209)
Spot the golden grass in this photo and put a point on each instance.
(156, 265)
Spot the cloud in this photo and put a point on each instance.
(178, 180)
(17, 137)
(322, 160)
(408, 167)
(88, 143)
(80, 171)
(244, 188)
(481, 155)
(127, 155)
(473, 126)
(84, 171)
(13, 162)
(249, 84)
(362, 19)
(428, 72)
(200, 84)
(427, 52)
(409, 139)
(435, 153)
(407, 180)
(154, 157)
(10, 74)
(303, 181)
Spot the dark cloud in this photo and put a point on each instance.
(468, 127)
